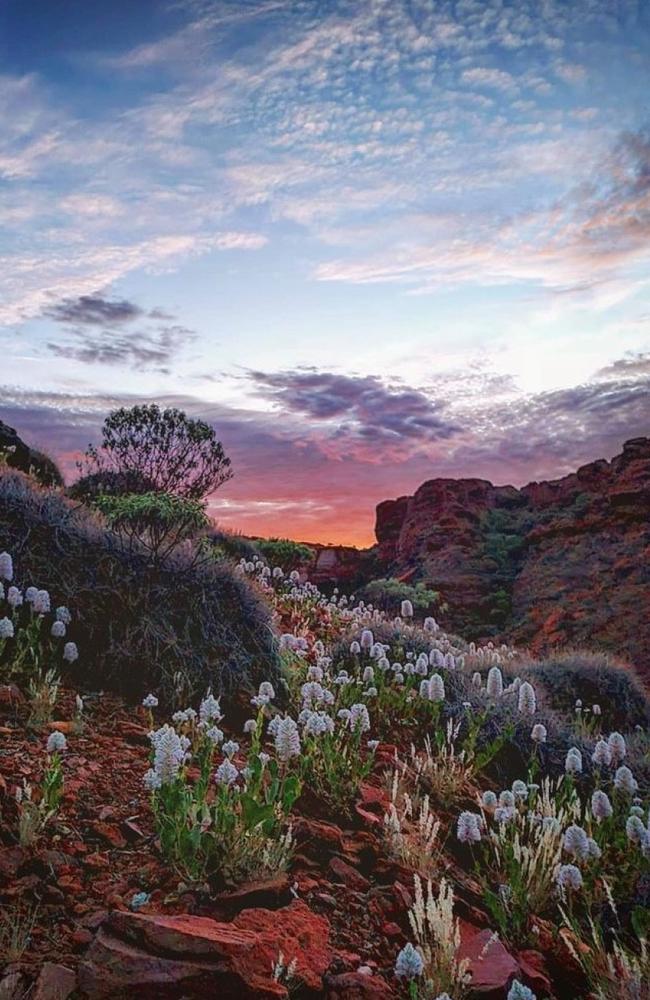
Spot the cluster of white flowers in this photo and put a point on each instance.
(469, 826)
(170, 753)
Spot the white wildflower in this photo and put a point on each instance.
(409, 964)
(6, 566)
(602, 755)
(407, 609)
(359, 721)
(468, 829)
(287, 739)
(41, 602)
(6, 628)
(226, 773)
(538, 733)
(210, 709)
(576, 841)
(150, 701)
(520, 992)
(56, 741)
(14, 597)
(527, 701)
(617, 746)
(494, 685)
(601, 807)
(569, 877)
(573, 762)
(70, 652)
(624, 781)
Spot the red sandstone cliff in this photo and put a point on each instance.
(565, 561)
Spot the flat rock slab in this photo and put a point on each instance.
(160, 956)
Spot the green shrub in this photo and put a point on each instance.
(139, 624)
(157, 521)
(229, 545)
(388, 594)
(284, 552)
(594, 678)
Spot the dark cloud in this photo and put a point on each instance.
(128, 334)
(140, 349)
(358, 408)
(632, 365)
(95, 310)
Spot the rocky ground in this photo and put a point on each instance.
(72, 928)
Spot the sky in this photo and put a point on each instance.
(373, 242)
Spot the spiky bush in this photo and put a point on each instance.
(142, 626)
(593, 678)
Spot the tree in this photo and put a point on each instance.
(169, 451)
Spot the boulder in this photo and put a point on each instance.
(492, 967)
(171, 956)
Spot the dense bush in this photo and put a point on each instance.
(284, 552)
(170, 450)
(139, 624)
(388, 594)
(230, 545)
(109, 482)
(594, 678)
(158, 522)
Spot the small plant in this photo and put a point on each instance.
(16, 926)
(443, 770)
(43, 693)
(37, 807)
(411, 829)
(333, 763)
(437, 935)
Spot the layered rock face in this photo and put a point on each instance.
(556, 562)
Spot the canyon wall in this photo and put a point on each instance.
(564, 561)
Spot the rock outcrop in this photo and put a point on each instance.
(558, 562)
(18, 455)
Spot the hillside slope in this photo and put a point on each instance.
(564, 561)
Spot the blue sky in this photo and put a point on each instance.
(374, 242)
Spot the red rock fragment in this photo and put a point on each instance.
(55, 982)
(158, 956)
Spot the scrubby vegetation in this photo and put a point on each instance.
(389, 594)
(284, 552)
(178, 622)
(316, 744)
